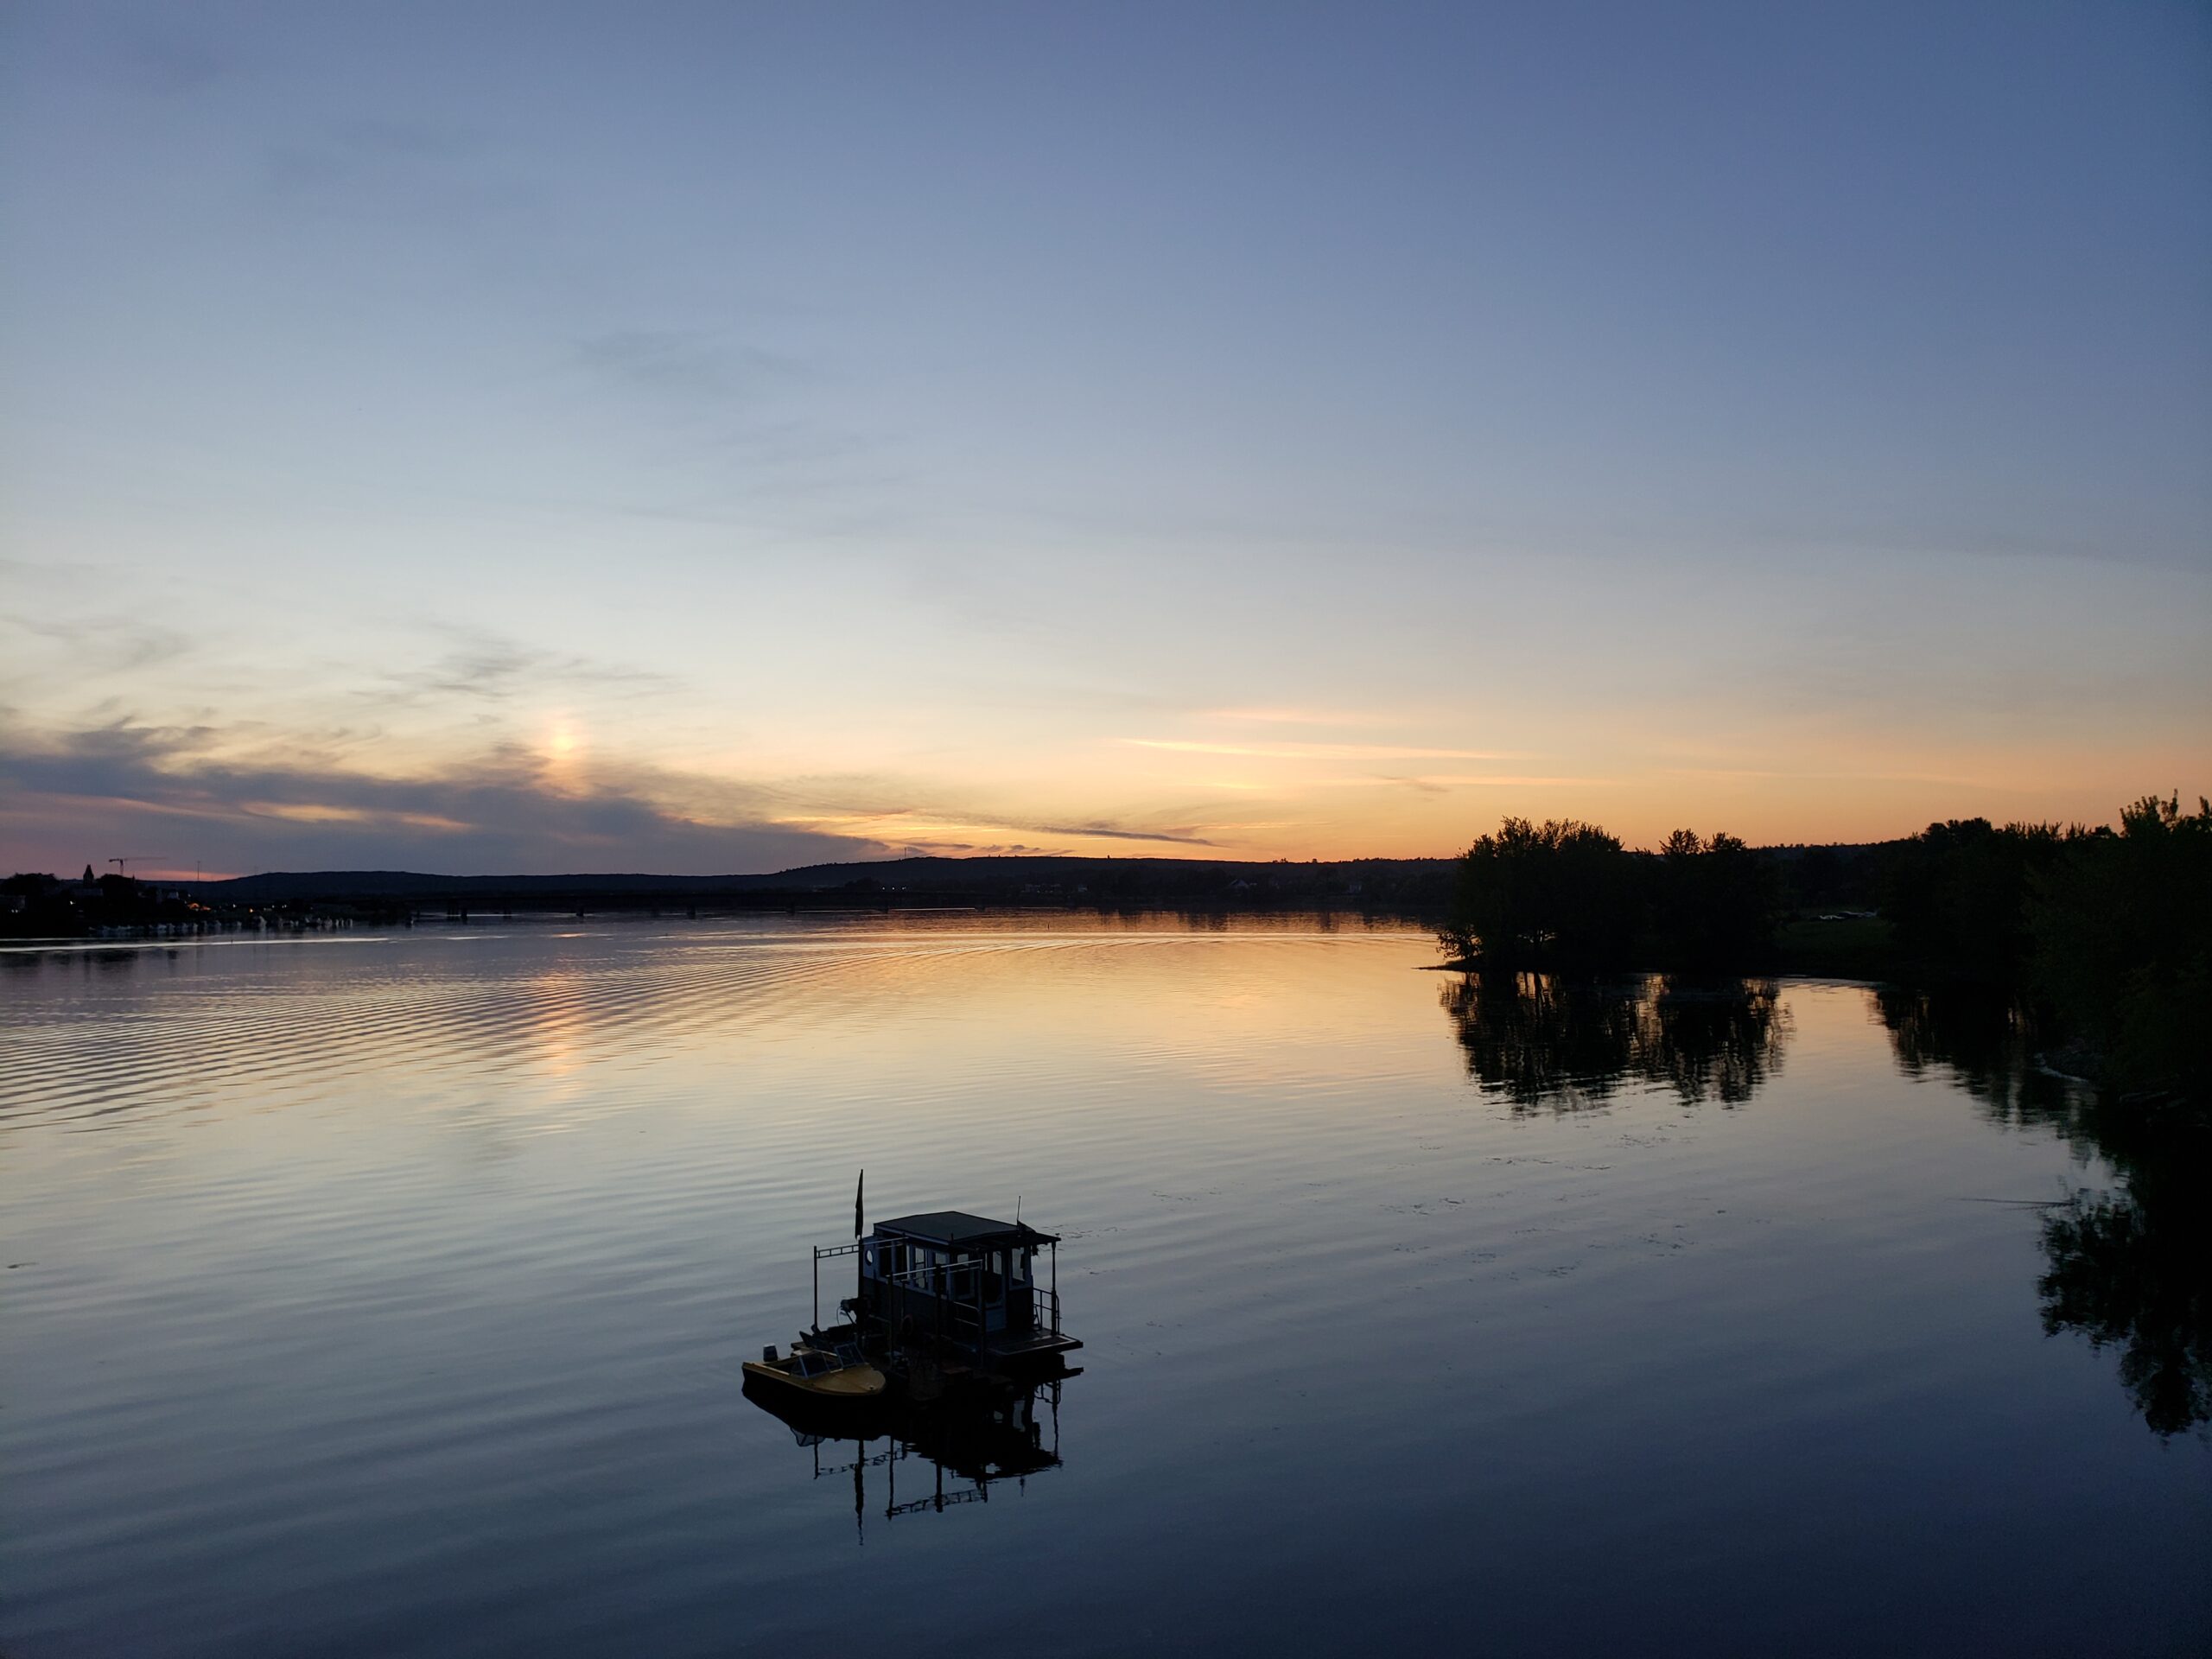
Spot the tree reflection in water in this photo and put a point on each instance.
(1986, 1044)
(1545, 1042)
(2129, 1269)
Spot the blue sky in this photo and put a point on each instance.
(708, 438)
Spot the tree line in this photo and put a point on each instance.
(1567, 895)
(2103, 933)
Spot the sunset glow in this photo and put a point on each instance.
(505, 469)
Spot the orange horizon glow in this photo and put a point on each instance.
(1331, 811)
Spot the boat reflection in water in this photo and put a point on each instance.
(928, 1456)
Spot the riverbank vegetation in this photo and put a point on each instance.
(2102, 935)
(1567, 896)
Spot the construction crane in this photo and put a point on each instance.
(123, 865)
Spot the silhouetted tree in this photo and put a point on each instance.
(1957, 895)
(1713, 903)
(1827, 877)
(2122, 932)
(1561, 893)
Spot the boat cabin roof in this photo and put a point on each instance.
(957, 1227)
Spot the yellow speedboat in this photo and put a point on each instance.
(825, 1374)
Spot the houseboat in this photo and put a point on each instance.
(946, 1295)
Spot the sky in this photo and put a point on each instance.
(715, 438)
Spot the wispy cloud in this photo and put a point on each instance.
(972, 849)
(1106, 832)
(74, 791)
(1443, 782)
(487, 667)
(1318, 751)
(953, 828)
(1738, 774)
(163, 56)
(727, 430)
(105, 643)
(682, 363)
(435, 173)
(297, 812)
(1297, 716)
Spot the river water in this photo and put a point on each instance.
(387, 1293)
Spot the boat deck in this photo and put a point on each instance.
(1029, 1344)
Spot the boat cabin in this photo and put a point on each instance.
(966, 1280)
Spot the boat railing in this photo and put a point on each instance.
(954, 1289)
(953, 1280)
(1047, 1309)
(824, 1253)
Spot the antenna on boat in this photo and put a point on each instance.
(1017, 1209)
(857, 1228)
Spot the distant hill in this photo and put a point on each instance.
(1389, 883)
(1815, 877)
(279, 886)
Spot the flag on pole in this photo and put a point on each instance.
(857, 1229)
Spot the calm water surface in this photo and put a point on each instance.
(388, 1293)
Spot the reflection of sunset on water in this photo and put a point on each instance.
(479, 1223)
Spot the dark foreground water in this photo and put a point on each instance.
(387, 1294)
